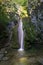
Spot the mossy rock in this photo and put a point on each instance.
(14, 43)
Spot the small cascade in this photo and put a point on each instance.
(9, 28)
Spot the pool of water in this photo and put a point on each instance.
(21, 58)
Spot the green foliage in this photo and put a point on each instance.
(3, 25)
(21, 2)
(3, 16)
(30, 33)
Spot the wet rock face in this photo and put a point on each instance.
(10, 25)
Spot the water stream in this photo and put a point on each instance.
(20, 35)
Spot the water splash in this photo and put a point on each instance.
(20, 35)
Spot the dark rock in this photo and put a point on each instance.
(1, 56)
(2, 50)
(5, 58)
(40, 60)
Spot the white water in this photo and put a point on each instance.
(20, 35)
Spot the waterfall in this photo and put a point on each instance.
(20, 35)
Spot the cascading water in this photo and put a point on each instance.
(20, 35)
